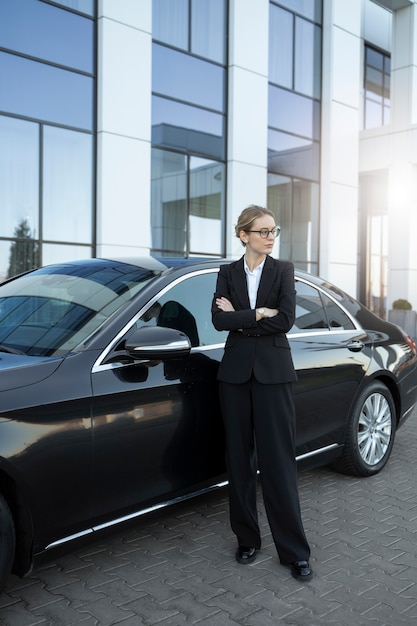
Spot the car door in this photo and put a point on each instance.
(331, 356)
(157, 426)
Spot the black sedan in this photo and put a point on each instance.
(109, 404)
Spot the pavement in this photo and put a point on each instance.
(177, 566)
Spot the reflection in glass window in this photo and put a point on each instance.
(185, 307)
(377, 88)
(168, 201)
(170, 22)
(19, 176)
(83, 6)
(187, 199)
(208, 29)
(67, 185)
(293, 156)
(295, 204)
(307, 62)
(188, 128)
(45, 92)
(309, 8)
(186, 78)
(62, 253)
(309, 312)
(41, 30)
(281, 47)
(206, 205)
(196, 26)
(293, 113)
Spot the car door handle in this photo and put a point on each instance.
(355, 345)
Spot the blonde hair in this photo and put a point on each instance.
(248, 216)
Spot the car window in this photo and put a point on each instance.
(309, 310)
(187, 307)
(336, 316)
(316, 311)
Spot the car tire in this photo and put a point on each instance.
(370, 432)
(7, 542)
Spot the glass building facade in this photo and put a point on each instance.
(146, 127)
(189, 124)
(294, 127)
(47, 132)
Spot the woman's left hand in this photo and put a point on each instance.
(224, 304)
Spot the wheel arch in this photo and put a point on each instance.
(392, 387)
(22, 522)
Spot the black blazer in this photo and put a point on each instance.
(262, 347)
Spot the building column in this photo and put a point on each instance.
(247, 112)
(124, 127)
(341, 91)
(402, 192)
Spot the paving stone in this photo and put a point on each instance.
(177, 565)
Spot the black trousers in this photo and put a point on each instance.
(259, 423)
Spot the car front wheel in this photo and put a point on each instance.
(7, 542)
(370, 432)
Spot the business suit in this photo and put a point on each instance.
(256, 376)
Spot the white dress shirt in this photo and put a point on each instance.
(252, 280)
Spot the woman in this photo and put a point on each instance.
(255, 302)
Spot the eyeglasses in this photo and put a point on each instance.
(265, 232)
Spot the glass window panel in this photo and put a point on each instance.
(19, 176)
(295, 156)
(183, 77)
(374, 59)
(296, 206)
(170, 22)
(61, 36)
(169, 201)
(280, 47)
(67, 185)
(309, 311)
(305, 223)
(61, 253)
(373, 114)
(83, 6)
(374, 81)
(293, 113)
(336, 317)
(280, 202)
(309, 8)
(208, 30)
(188, 128)
(44, 92)
(307, 58)
(207, 199)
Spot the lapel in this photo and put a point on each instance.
(266, 281)
(240, 284)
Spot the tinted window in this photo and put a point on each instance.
(309, 311)
(337, 318)
(316, 311)
(187, 307)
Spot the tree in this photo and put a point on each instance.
(24, 252)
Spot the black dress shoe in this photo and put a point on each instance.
(245, 555)
(301, 570)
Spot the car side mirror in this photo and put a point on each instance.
(156, 343)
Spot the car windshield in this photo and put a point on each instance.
(53, 310)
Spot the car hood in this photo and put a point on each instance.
(20, 371)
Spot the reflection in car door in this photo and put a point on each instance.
(157, 428)
(331, 356)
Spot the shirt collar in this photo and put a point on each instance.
(258, 268)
